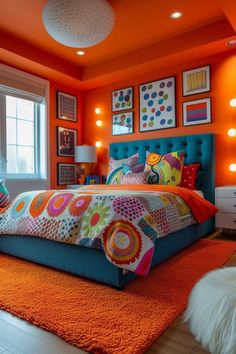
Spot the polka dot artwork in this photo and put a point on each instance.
(122, 123)
(157, 104)
(122, 99)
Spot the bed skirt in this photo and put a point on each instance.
(92, 263)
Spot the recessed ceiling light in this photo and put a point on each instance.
(176, 14)
(231, 42)
(80, 52)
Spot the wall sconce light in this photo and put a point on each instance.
(98, 123)
(232, 167)
(232, 102)
(231, 132)
(97, 110)
(98, 144)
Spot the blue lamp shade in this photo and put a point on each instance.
(85, 154)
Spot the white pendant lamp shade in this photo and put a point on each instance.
(78, 23)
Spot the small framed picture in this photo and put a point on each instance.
(122, 99)
(122, 123)
(66, 106)
(92, 180)
(196, 81)
(197, 112)
(66, 173)
(66, 141)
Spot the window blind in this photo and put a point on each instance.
(12, 81)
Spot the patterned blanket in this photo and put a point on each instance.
(124, 223)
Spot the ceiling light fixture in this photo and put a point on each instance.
(80, 52)
(176, 15)
(78, 23)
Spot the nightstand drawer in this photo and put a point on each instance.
(227, 205)
(227, 221)
(226, 192)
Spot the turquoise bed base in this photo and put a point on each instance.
(92, 263)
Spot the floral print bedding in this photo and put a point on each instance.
(123, 223)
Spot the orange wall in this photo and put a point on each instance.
(223, 88)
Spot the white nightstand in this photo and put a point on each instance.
(226, 202)
(74, 186)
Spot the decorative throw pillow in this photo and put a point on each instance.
(4, 195)
(164, 169)
(133, 169)
(135, 178)
(115, 170)
(189, 175)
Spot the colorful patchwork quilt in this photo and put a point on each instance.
(124, 222)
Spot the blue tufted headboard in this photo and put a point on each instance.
(198, 148)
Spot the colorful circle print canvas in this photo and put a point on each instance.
(157, 104)
(122, 99)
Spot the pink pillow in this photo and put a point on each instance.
(115, 171)
(135, 178)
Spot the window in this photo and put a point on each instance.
(22, 130)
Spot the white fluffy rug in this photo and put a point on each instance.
(211, 311)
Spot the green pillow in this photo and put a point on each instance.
(165, 169)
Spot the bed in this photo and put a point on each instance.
(92, 263)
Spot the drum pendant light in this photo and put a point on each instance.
(78, 23)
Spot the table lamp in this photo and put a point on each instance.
(85, 155)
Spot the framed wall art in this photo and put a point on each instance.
(66, 106)
(92, 180)
(122, 99)
(66, 141)
(66, 173)
(197, 112)
(196, 81)
(122, 123)
(157, 105)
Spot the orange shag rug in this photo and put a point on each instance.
(100, 319)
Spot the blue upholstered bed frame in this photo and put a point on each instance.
(92, 263)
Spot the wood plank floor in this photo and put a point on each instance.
(20, 337)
